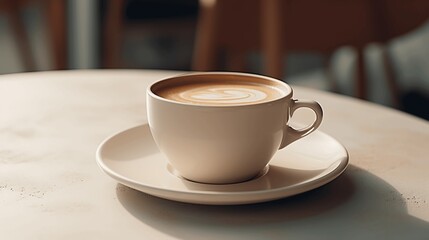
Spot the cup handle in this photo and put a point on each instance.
(289, 133)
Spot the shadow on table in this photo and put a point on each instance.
(357, 205)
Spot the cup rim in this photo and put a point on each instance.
(152, 94)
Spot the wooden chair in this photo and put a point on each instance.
(275, 28)
(54, 12)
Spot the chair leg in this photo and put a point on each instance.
(390, 77)
(330, 75)
(112, 33)
(21, 37)
(55, 12)
(272, 38)
(204, 57)
(361, 81)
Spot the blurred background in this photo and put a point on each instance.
(377, 50)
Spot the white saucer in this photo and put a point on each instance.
(133, 159)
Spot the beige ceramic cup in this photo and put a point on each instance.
(224, 144)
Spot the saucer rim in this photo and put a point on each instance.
(281, 192)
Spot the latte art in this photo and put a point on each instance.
(223, 95)
(220, 93)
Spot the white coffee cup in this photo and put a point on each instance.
(233, 133)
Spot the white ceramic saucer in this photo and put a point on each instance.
(133, 159)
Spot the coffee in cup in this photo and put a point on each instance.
(220, 127)
(220, 92)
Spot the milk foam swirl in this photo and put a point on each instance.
(223, 95)
(219, 93)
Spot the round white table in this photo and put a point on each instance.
(51, 187)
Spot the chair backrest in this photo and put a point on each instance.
(305, 25)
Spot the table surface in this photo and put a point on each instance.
(51, 187)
